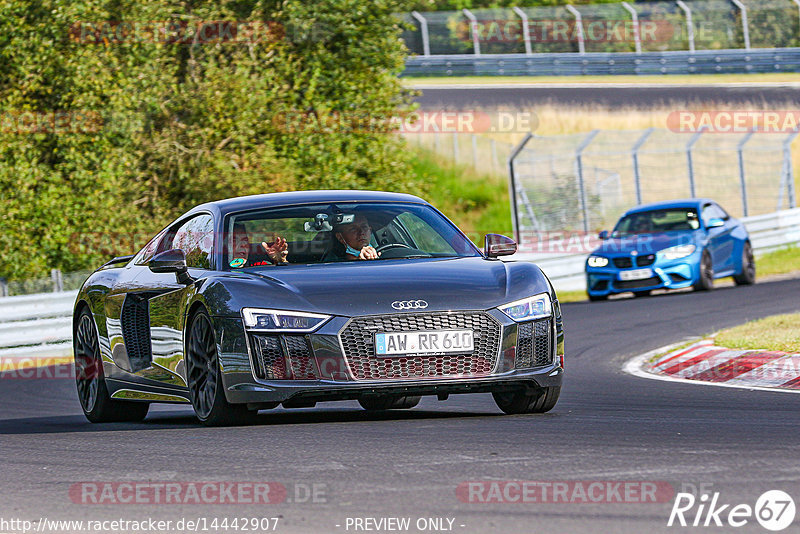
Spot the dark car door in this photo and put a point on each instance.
(161, 306)
(720, 238)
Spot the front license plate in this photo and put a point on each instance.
(423, 342)
(636, 274)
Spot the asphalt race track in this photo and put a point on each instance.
(608, 426)
(610, 95)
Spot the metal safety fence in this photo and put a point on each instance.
(640, 27)
(586, 181)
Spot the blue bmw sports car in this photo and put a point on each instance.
(671, 245)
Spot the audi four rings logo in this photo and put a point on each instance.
(409, 304)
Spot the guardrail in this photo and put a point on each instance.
(40, 326)
(767, 233)
(600, 63)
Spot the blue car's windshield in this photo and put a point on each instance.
(655, 221)
(341, 232)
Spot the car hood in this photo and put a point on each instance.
(367, 288)
(644, 244)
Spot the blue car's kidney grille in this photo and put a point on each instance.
(534, 344)
(644, 261)
(359, 346)
(623, 262)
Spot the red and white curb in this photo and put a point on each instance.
(705, 363)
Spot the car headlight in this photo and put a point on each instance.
(677, 252)
(597, 261)
(534, 307)
(281, 320)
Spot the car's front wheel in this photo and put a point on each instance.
(705, 281)
(97, 405)
(748, 274)
(518, 402)
(205, 378)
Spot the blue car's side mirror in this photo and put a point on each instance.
(715, 223)
(603, 235)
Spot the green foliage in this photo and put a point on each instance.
(179, 123)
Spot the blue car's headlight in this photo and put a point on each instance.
(281, 320)
(677, 252)
(597, 261)
(535, 307)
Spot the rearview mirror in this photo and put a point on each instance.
(171, 261)
(603, 235)
(495, 245)
(715, 223)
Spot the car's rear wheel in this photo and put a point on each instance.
(748, 274)
(705, 281)
(518, 402)
(388, 402)
(97, 405)
(205, 379)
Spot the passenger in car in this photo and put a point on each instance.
(273, 253)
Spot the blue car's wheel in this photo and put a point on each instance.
(748, 274)
(705, 280)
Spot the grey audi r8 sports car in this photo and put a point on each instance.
(290, 299)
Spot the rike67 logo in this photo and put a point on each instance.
(774, 510)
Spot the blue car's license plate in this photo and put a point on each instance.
(423, 342)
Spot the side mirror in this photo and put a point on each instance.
(603, 235)
(715, 223)
(495, 245)
(171, 261)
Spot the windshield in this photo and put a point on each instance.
(342, 232)
(651, 222)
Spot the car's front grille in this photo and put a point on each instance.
(645, 261)
(534, 344)
(358, 342)
(623, 262)
(634, 284)
(270, 357)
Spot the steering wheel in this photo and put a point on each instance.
(391, 245)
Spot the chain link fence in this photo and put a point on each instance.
(584, 182)
(618, 27)
(55, 283)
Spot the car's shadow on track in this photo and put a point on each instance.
(167, 420)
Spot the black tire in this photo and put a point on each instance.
(639, 294)
(96, 403)
(205, 379)
(519, 402)
(388, 402)
(748, 274)
(597, 298)
(706, 280)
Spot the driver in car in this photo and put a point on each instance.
(352, 241)
(275, 252)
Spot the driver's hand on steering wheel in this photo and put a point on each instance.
(368, 253)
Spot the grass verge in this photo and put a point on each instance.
(478, 203)
(779, 332)
(782, 261)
